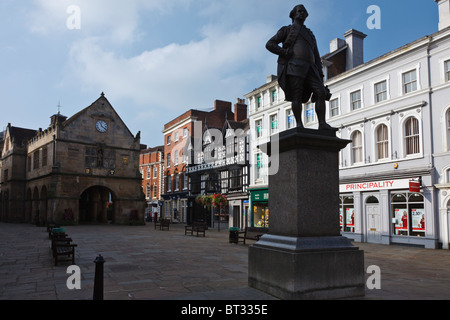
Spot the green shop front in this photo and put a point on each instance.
(259, 217)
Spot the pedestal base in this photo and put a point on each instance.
(295, 268)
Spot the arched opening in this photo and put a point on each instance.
(29, 207)
(4, 205)
(372, 199)
(373, 219)
(35, 206)
(43, 205)
(96, 205)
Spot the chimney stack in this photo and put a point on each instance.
(336, 44)
(240, 110)
(444, 13)
(223, 106)
(271, 78)
(355, 50)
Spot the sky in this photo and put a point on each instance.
(156, 59)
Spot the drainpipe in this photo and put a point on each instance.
(443, 227)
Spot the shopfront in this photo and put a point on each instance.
(389, 211)
(238, 209)
(259, 217)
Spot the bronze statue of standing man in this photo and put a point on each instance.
(300, 71)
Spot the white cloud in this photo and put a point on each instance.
(115, 20)
(174, 76)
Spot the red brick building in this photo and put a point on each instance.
(178, 135)
(151, 166)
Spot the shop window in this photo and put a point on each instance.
(408, 214)
(347, 214)
(261, 215)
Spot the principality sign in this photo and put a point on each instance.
(375, 185)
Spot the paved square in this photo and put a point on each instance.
(147, 264)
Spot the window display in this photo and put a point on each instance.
(261, 215)
(347, 214)
(408, 214)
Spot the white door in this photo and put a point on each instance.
(373, 223)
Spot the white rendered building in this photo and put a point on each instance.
(396, 111)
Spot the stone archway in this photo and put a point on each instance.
(29, 207)
(96, 205)
(43, 206)
(35, 206)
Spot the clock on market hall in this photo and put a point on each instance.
(101, 126)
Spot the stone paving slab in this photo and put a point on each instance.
(147, 264)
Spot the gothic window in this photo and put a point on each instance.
(36, 155)
(44, 156)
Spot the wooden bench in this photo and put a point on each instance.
(64, 249)
(251, 233)
(165, 223)
(50, 227)
(197, 227)
(62, 246)
(162, 224)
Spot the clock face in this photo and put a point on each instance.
(101, 126)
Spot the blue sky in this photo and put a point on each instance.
(155, 59)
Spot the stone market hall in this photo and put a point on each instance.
(82, 169)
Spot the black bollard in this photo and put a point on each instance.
(98, 281)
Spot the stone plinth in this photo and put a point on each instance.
(304, 256)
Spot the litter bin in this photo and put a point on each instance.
(234, 235)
